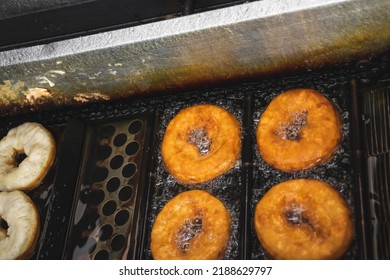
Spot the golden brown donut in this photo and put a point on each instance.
(34, 141)
(19, 239)
(299, 129)
(303, 219)
(200, 143)
(194, 225)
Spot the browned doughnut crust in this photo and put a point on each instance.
(193, 225)
(185, 160)
(299, 129)
(37, 143)
(22, 217)
(303, 219)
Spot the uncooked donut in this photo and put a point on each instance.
(37, 143)
(19, 239)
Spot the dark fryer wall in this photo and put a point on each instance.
(43, 21)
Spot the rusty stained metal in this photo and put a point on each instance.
(257, 39)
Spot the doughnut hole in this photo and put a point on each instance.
(129, 170)
(3, 224)
(199, 138)
(107, 132)
(122, 217)
(125, 193)
(19, 157)
(116, 162)
(120, 139)
(105, 232)
(118, 242)
(113, 184)
(189, 230)
(109, 208)
(132, 148)
(102, 255)
(135, 127)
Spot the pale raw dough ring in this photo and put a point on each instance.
(184, 160)
(169, 229)
(304, 219)
(22, 217)
(37, 143)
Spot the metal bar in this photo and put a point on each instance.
(362, 215)
(254, 39)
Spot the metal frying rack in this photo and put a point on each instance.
(79, 186)
(105, 217)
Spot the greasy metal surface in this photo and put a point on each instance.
(332, 82)
(253, 39)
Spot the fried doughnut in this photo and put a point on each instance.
(37, 144)
(303, 219)
(19, 239)
(194, 225)
(200, 143)
(299, 129)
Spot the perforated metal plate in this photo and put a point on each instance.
(108, 187)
